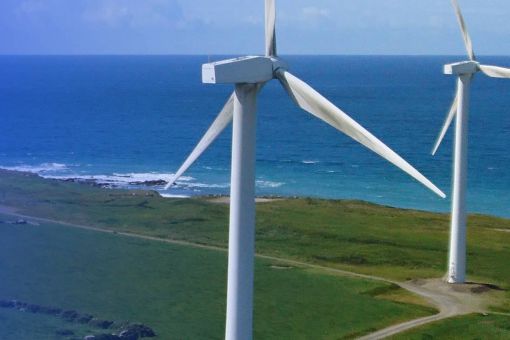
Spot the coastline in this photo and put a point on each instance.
(152, 182)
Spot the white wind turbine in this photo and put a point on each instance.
(249, 74)
(465, 72)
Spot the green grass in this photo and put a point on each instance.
(352, 235)
(470, 327)
(178, 290)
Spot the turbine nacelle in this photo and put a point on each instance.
(462, 68)
(250, 69)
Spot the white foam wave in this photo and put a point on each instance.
(268, 184)
(309, 162)
(123, 179)
(205, 185)
(214, 168)
(147, 177)
(37, 169)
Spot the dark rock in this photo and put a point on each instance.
(21, 306)
(150, 183)
(69, 315)
(136, 331)
(7, 304)
(84, 318)
(102, 337)
(104, 324)
(50, 310)
(120, 325)
(127, 336)
(33, 308)
(64, 332)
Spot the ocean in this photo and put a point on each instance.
(121, 121)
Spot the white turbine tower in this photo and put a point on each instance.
(460, 108)
(249, 74)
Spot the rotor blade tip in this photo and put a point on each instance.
(170, 183)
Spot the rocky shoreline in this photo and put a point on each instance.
(124, 330)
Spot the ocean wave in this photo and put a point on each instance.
(155, 180)
(65, 172)
(151, 179)
(37, 169)
(205, 185)
(268, 184)
(148, 177)
(214, 168)
(309, 162)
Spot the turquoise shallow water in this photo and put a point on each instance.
(126, 119)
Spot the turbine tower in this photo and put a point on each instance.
(249, 74)
(465, 72)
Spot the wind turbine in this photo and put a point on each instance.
(249, 74)
(465, 72)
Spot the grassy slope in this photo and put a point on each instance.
(351, 235)
(177, 290)
(471, 327)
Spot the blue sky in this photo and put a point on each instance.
(236, 26)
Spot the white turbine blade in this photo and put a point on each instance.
(447, 123)
(270, 28)
(310, 100)
(495, 71)
(465, 34)
(219, 124)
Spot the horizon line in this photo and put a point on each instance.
(236, 54)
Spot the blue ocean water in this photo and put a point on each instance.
(119, 120)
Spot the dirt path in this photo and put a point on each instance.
(502, 230)
(441, 295)
(448, 301)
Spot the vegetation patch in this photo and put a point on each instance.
(473, 326)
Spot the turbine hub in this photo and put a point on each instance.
(249, 69)
(462, 68)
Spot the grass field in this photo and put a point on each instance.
(353, 235)
(177, 290)
(356, 236)
(470, 327)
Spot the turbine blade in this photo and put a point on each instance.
(310, 100)
(447, 123)
(495, 71)
(219, 124)
(270, 28)
(463, 27)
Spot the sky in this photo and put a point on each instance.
(211, 27)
